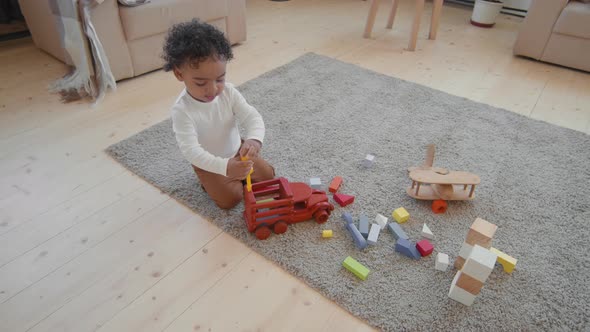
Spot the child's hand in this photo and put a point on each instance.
(250, 148)
(237, 169)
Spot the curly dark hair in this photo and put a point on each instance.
(194, 41)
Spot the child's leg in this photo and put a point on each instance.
(262, 170)
(225, 192)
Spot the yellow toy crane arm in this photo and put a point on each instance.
(249, 177)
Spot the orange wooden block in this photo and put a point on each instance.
(481, 233)
(335, 184)
(459, 261)
(474, 237)
(484, 227)
(469, 284)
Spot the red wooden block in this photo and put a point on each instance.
(424, 247)
(335, 184)
(343, 200)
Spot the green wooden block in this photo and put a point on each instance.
(355, 267)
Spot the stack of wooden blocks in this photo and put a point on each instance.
(475, 262)
(480, 233)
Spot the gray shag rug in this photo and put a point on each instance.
(323, 116)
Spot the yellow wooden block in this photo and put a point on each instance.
(400, 215)
(327, 233)
(508, 262)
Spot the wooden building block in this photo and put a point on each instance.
(459, 262)
(426, 232)
(397, 231)
(346, 216)
(373, 234)
(507, 262)
(381, 220)
(465, 250)
(315, 183)
(335, 184)
(364, 225)
(467, 283)
(481, 233)
(327, 233)
(480, 263)
(407, 248)
(356, 268)
(400, 215)
(442, 262)
(463, 254)
(359, 240)
(424, 247)
(343, 200)
(459, 294)
(369, 161)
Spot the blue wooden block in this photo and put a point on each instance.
(407, 248)
(359, 240)
(347, 217)
(364, 225)
(397, 231)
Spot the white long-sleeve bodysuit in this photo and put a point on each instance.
(207, 133)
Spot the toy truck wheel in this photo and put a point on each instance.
(321, 216)
(280, 227)
(262, 232)
(439, 206)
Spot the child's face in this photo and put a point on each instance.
(203, 81)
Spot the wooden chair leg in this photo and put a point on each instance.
(371, 18)
(416, 25)
(436, 10)
(392, 14)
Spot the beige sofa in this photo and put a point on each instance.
(556, 31)
(132, 37)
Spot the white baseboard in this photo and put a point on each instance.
(512, 7)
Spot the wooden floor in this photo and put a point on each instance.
(85, 245)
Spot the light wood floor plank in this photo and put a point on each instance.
(159, 306)
(141, 270)
(60, 218)
(264, 297)
(35, 264)
(140, 237)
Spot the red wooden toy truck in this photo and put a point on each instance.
(276, 203)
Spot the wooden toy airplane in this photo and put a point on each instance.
(436, 183)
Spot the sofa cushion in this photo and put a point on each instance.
(574, 20)
(158, 16)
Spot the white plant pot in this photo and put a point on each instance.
(485, 13)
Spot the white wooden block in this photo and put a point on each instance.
(381, 220)
(315, 183)
(480, 263)
(459, 294)
(369, 160)
(373, 234)
(426, 232)
(465, 250)
(442, 262)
